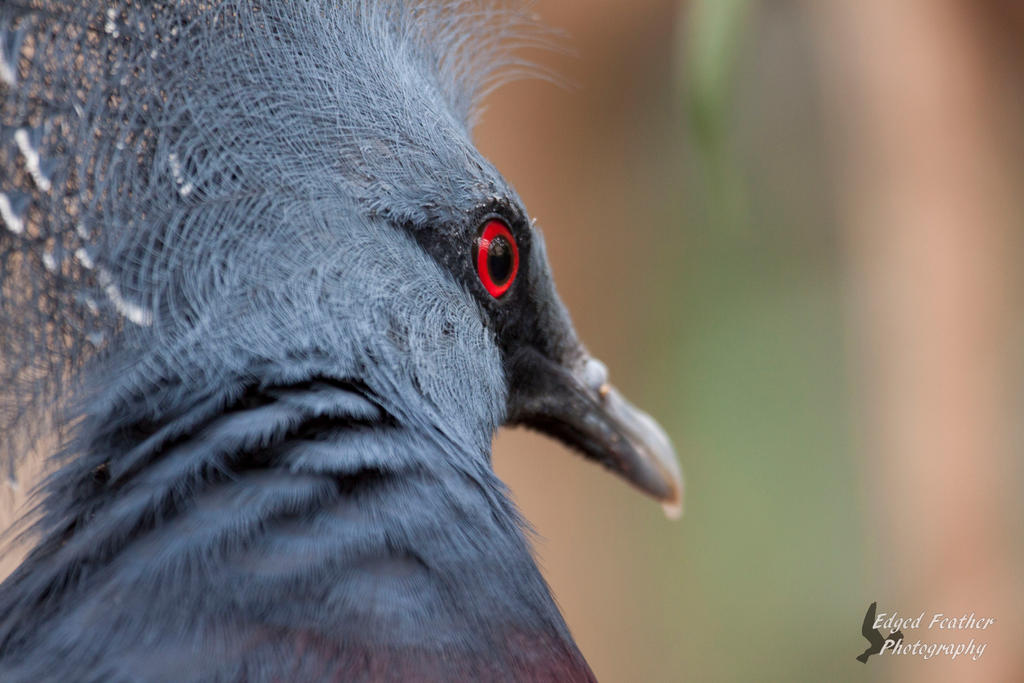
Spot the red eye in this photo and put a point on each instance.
(497, 258)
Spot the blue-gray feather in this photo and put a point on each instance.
(273, 403)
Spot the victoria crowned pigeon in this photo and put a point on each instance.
(265, 306)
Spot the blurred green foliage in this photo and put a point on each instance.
(711, 50)
(766, 579)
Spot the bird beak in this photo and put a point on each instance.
(579, 407)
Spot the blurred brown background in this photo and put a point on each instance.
(791, 229)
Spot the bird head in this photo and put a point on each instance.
(417, 170)
(298, 181)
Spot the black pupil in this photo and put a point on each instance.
(499, 259)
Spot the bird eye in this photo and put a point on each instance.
(497, 258)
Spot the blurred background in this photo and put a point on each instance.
(792, 230)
